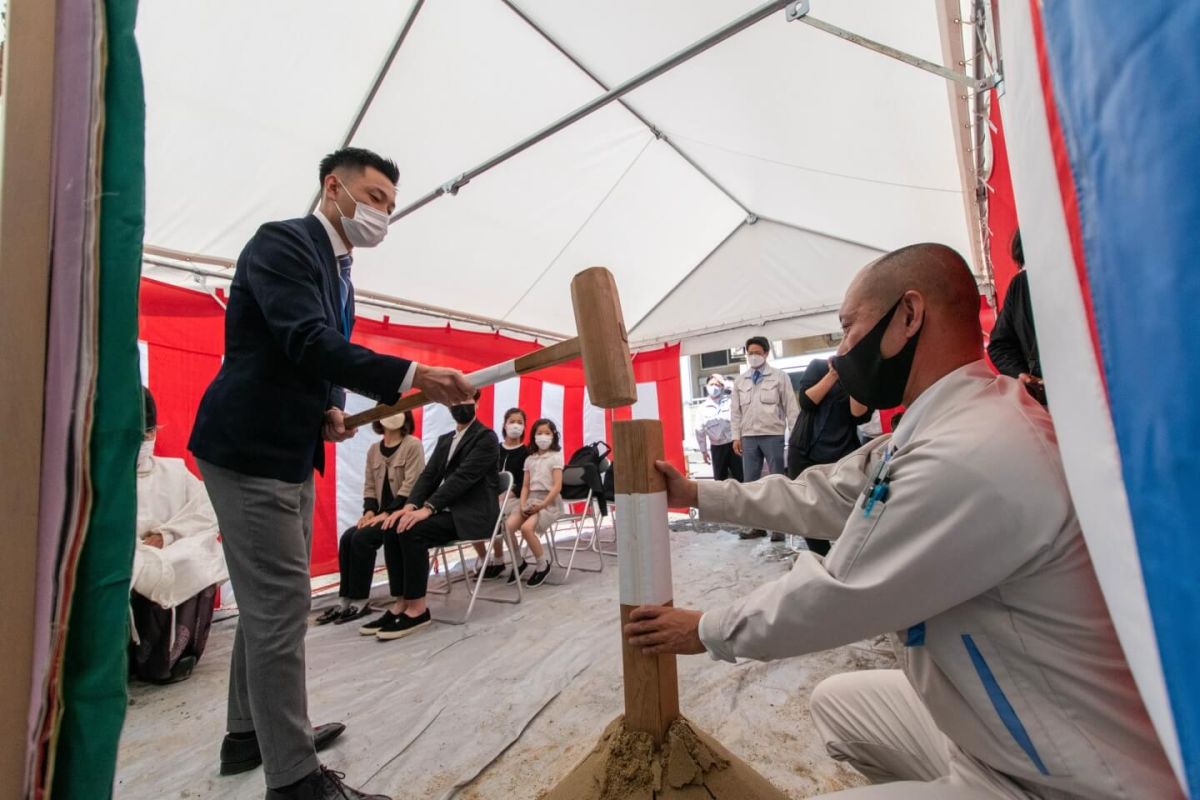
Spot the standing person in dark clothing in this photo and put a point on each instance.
(260, 432)
(827, 428)
(1013, 345)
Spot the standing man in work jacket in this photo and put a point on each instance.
(958, 536)
(763, 408)
(261, 430)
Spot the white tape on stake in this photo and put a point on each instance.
(644, 544)
(493, 374)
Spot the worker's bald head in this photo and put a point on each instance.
(934, 296)
(938, 272)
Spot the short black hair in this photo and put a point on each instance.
(149, 411)
(514, 410)
(761, 341)
(359, 158)
(1018, 252)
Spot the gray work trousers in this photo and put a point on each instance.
(266, 532)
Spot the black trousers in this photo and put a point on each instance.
(407, 554)
(356, 558)
(726, 464)
(797, 462)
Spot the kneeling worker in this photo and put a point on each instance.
(957, 534)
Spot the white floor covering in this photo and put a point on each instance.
(504, 706)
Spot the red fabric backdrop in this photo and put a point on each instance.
(182, 339)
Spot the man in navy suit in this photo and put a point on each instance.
(260, 433)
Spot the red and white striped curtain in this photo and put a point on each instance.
(182, 341)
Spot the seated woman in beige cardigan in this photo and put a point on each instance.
(393, 465)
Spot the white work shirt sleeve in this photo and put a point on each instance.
(701, 432)
(791, 406)
(735, 411)
(948, 532)
(409, 376)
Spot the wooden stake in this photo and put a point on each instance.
(651, 682)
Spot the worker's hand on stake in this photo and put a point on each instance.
(662, 629)
(681, 492)
(443, 385)
(335, 429)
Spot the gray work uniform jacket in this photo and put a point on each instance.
(769, 408)
(975, 563)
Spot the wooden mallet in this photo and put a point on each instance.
(651, 685)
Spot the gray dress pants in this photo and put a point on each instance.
(266, 532)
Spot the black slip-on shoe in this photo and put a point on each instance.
(513, 573)
(322, 784)
(372, 627)
(493, 571)
(538, 575)
(330, 615)
(403, 625)
(242, 754)
(352, 613)
(776, 536)
(757, 533)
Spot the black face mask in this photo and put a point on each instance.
(463, 414)
(867, 376)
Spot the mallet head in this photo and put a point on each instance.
(603, 340)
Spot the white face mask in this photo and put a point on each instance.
(515, 430)
(393, 423)
(144, 454)
(714, 391)
(367, 227)
(544, 440)
(756, 361)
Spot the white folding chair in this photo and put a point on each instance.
(581, 515)
(499, 533)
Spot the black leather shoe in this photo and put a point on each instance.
(330, 615)
(324, 784)
(757, 533)
(352, 613)
(243, 755)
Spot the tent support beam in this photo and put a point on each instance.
(950, 28)
(786, 316)
(798, 11)
(616, 93)
(193, 265)
(657, 131)
(380, 76)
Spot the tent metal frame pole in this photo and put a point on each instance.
(797, 11)
(193, 266)
(658, 132)
(757, 322)
(953, 51)
(453, 185)
(380, 76)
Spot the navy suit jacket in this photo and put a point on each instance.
(286, 358)
(465, 485)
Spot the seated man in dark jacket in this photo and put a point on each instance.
(453, 500)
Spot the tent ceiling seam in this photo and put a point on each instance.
(595, 104)
(384, 70)
(639, 116)
(579, 230)
(691, 272)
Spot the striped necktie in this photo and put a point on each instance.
(345, 290)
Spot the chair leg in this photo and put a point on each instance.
(477, 594)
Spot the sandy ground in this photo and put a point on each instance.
(506, 705)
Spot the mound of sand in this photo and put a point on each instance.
(625, 765)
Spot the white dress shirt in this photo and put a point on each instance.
(341, 249)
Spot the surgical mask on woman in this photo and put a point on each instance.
(367, 227)
(145, 452)
(544, 440)
(515, 430)
(714, 391)
(756, 361)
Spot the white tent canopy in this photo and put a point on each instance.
(737, 191)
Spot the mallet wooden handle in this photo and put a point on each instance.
(555, 354)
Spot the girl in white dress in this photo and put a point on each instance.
(540, 504)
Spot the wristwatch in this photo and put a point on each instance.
(429, 506)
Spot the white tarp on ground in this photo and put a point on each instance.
(782, 122)
(520, 693)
